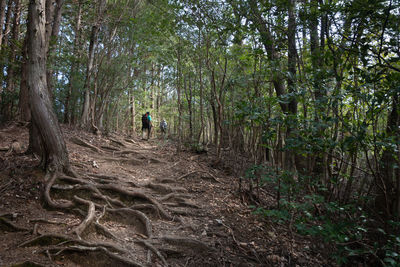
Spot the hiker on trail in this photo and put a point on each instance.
(146, 125)
(163, 127)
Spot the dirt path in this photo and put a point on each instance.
(133, 203)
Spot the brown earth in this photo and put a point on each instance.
(137, 203)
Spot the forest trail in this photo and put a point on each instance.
(141, 205)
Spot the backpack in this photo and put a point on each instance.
(145, 120)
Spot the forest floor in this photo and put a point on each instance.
(152, 207)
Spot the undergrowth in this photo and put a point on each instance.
(357, 234)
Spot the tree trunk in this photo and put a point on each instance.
(2, 16)
(201, 132)
(5, 34)
(133, 114)
(24, 109)
(52, 28)
(74, 66)
(54, 152)
(388, 178)
(269, 44)
(12, 62)
(179, 73)
(85, 119)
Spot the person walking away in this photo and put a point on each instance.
(163, 127)
(146, 126)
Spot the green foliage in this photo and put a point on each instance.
(348, 227)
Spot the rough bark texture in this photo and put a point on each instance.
(24, 109)
(55, 155)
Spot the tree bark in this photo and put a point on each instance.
(68, 111)
(178, 87)
(85, 118)
(12, 62)
(53, 20)
(54, 152)
(24, 109)
(269, 44)
(2, 16)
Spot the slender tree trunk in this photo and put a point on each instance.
(24, 109)
(179, 73)
(5, 34)
(54, 152)
(7, 26)
(388, 179)
(133, 114)
(10, 81)
(269, 44)
(2, 16)
(52, 30)
(85, 119)
(74, 66)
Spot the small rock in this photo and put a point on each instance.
(95, 164)
(272, 235)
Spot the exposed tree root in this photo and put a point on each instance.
(117, 141)
(125, 152)
(45, 221)
(9, 226)
(130, 141)
(80, 142)
(89, 218)
(104, 231)
(66, 203)
(137, 214)
(146, 207)
(110, 148)
(85, 249)
(119, 198)
(154, 250)
(167, 181)
(58, 239)
(137, 194)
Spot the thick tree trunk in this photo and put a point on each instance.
(54, 152)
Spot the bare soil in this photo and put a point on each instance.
(133, 203)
